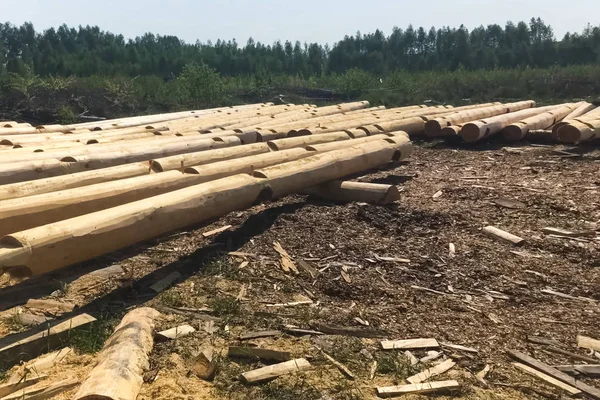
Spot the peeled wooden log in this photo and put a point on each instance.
(118, 374)
(412, 126)
(477, 130)
(433, 127)
(206, 157)
(344, 191)
(518, 130)
(579, 131)
(356, 133)
(27, 171)
(283, 144)
(450, 131)
(49, 247)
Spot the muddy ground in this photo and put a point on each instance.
(487, 295)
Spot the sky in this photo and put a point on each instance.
(324, 21)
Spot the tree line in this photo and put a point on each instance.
(88, 51)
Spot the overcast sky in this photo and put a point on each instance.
(323, 21)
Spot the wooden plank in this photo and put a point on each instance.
(216, 231)
(28, 319)
(409, 344)
(12, 387)
(273, 371)
(411, 357)
(586, 369)
(44, 392)
(543, 340)
(258, 335)
(571, 355)
(459, 347)
(30, 345)
(548, 379)
(433, 371)
(177, 332)
(553, 372)
(260, 354)
(165, 282)
(588, 343)
(202, 365)
(49, 305)
(419, 388)
(39, 365)
(499, 234)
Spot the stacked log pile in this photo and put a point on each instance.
(69, 193)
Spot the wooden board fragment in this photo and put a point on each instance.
(256, 353)
(165, 282)
(259, 334)
(216, 231)
(419, 388)
(44, 392)
(286, 260)
(40, 365)
(459, 347)
(349, 331)
(49, 305)
(543, 340)
(28, 319)
(29, 345)
(499, 234)
(202, 365)
(588, 343)
(410, 344)
(11, 387)
(177, 332)
(308, 268)
(585, 369)
(433, 371)
(553, 372)
(548, 379)
(411, 357)
(273, 371)
(571, 355)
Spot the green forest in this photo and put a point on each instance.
(60, 74)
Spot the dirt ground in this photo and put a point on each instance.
(487, 295)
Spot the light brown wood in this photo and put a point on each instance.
(28, 345)
(548, 379)
(44, 392)
(579, 130)
(283, 144)
(165, 282)
(588, 343)
(518, 130)
(202, 365)
(40, 365)
(433, 371)
(343, 369)
(419, 388)
(177, 332)
(49, 305)
(499, 234)
(274, 371)
(258, 353)
(345, 191)
(8, 388)
(216, 231)
(409, 344)
(118, 374)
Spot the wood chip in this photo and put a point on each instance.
(286, 260)
(567, 296)
(243, 264)
(165, 282)
(393, 259)
(258, 354)
(548, 379)
(433, 371)
(177, 332)
(241, 254)
(499, 234)
(346, 277)
(428, 290)
(409, 344)
(273, 371)
(484, 372)
(588, 343)
(301, 332)
(216, 231)
(373, 370)
(459, 347)
(437, 195)
(258, 335)
(451, 250)
(413, 360)
(202, 365)
(291, 304)
(419, 388)
(308, 268)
